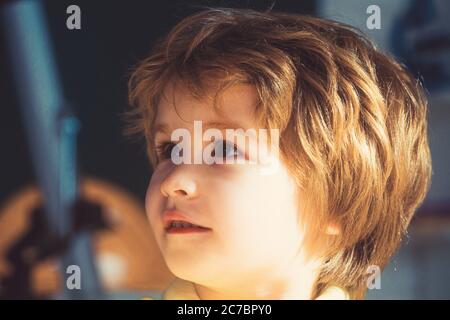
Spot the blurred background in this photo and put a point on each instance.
(91, 66)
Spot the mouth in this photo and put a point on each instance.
(185, 227)
(176, 222)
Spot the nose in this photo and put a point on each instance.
(180, 183)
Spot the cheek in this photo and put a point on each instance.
(258, 213)
(154, 202)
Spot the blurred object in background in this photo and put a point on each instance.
(416, 32)
(420, 269)
(52, 131)
(421, 38)
(126, 254)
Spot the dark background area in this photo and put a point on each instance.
(94, 64)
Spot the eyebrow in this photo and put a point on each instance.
(161, 128)
(221, 125)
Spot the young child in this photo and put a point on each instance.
(347, 147)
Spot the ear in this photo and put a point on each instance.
(333, 229)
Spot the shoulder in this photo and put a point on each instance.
(334, 293)
(180, 289)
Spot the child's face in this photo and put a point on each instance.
(253, 217)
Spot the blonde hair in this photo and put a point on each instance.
(353, 122)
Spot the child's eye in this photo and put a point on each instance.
(164, 150)
(226, 149)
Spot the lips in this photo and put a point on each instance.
(174, 219)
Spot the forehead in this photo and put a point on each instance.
(178, 108)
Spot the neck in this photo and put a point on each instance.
(290, 283)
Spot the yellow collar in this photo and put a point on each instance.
(181, 289)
